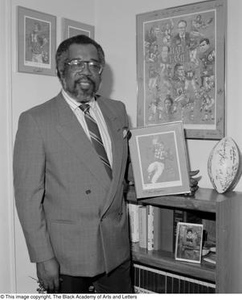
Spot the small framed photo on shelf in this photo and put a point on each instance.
(36, 42)
(72, 28)
(159, 160)
(189, 239)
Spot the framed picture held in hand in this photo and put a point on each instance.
(159, 160)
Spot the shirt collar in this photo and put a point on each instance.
(75, 104)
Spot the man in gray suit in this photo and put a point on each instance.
(71, 210)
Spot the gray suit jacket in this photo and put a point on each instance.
(67, 206)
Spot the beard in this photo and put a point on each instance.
(83, 89)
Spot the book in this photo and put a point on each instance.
(157, 228)
(163, 229)
(179, 216)
(150, 233)
(143, 226)
(133, 210)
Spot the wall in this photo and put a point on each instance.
(7, 278)
(116, 31)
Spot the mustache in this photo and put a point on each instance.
(86, 78)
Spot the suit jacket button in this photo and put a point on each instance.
(102, 218)
(88, 192)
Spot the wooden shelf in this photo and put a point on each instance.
(204, 200)
(165, 261)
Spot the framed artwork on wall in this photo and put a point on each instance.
(181, 68)
(189, 240)
(72, 28)
(36, 42)
(159, 160)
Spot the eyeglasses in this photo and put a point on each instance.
(79, 65)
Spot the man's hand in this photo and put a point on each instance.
(48, 275)
(194, 181)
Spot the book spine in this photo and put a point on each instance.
(179, 216)
(143, 226)
(157, 229)
(150, 236)
(167, 231)
(133, 210)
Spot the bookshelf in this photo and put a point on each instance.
(226, 209)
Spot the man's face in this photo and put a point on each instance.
(164, 52)
(81, 84)
(203, 46)
(181, 28)
(167, 105)
(36, 28)
(180, 71)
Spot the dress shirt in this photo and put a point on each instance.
(97, 115)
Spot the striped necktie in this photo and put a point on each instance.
(96, 137)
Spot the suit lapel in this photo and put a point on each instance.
(116, 135)
(76, 138)
(115, 132)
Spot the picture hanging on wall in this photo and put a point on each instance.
(36, 42)
(159, 160)
(72, 28)
(181, 68)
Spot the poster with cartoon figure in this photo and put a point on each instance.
(180, 69)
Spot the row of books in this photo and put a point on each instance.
(154, 228)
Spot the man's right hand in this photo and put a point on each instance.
(48, 275)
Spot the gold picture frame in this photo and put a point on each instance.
(181, 68)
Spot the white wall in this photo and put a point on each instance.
(115, 29)
(7, 279)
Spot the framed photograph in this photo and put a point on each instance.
(159, 160)
(36, 42)
(72, 28)
(181, 68)
(189, 239)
